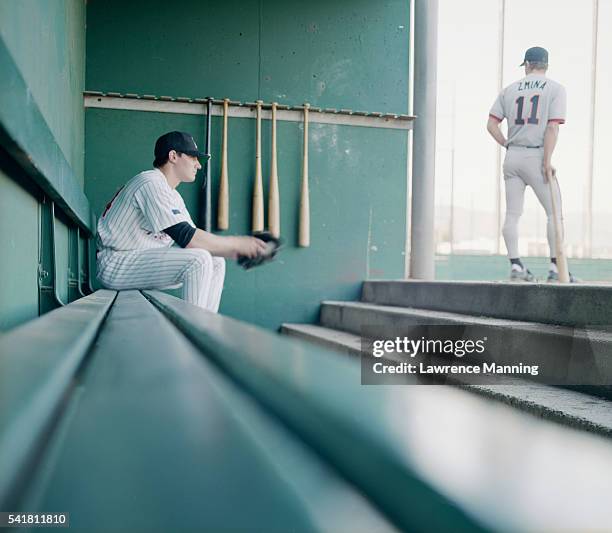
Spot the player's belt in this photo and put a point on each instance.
(525, 146)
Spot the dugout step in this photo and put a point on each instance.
(570, 408)
(565, 355)
(340, 341)
(559, 304)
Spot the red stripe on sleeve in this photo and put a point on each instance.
(496, 118)
(557, 120)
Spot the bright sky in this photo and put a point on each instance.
(468, 81)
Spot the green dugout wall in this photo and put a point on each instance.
(42, 74)
(342, 54)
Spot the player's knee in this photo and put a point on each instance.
(219, 265)
(512, 219)
(202, 261)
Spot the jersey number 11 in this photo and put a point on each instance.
(533, 116)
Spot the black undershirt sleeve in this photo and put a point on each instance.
(181, 233)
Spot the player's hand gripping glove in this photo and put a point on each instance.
(272, 246)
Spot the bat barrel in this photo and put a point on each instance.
(258, 211)
(223, 206)
(562, 267)
(273, 195)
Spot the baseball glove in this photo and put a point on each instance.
(272, 246)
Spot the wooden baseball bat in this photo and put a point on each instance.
(223, 204)
(561, 259)
(304, 231)
(273, 200)
(258, 209)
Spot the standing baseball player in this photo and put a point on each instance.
(143, 221)
(534, 107)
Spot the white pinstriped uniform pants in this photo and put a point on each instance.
(201, 274)
(522, 168)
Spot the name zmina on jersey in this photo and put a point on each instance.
(531, 84)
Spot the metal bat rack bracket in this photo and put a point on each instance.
(197, 106)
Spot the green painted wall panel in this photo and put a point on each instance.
(27, 140)
(495, 268)
(344, 54)
(357, 50)
(19, 262)
(189, 48)
(42, 54)
(47, 40)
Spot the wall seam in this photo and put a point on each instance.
(259, 50)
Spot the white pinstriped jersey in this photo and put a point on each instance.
(136, 217)
(529, 105)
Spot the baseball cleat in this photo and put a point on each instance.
(522, 275)
(553, 277)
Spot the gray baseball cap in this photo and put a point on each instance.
(536, 54)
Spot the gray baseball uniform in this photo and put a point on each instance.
(529, 105)
(135, 253)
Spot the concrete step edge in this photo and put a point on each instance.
(348, 343)
(570, 408)
(594, 334)
(566, 304)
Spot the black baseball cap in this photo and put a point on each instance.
(177, 140)
(536, 54)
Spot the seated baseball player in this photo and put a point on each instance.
(147, 240)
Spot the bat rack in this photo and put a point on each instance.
(197, 106)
